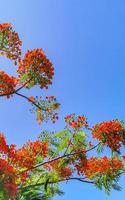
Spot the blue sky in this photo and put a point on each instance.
(85, 40)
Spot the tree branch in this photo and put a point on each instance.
(25, 97)
(58, 158)
(61, 180)
(17, 90)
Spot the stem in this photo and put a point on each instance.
(17, 93)
(69, 143)
(18, 89)
(23, 85)
(1, 46)
(25, 97)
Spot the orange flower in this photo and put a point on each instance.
(7, 84)
(110, 133)
(5, 26)
(103, 165)
(62, 171)
(10, 43)
(3, 145)
(76, 121)
(27, 155)
(31, 98)
(37, 67)
(2, 53)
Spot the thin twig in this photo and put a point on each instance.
(25, 97)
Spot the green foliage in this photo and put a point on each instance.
(61, 134)
(39, 192)
(107, 182)
(100, 148)
(63, 144)
(80, 139)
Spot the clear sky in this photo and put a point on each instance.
(85, 40)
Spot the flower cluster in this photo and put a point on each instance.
(35, 66)
(10, 43)
(105, 165)
(13, 161)
(7, 171)
(81, 163)
(5, 26)
(62, 171)
(45, 109)
(65, 172)
(3, 145)
(26, 156)
(76, 122)
(7, 84)
(110, 133)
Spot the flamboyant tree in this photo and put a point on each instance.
(77, 153)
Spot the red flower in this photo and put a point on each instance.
(76, 121)
(10, 42)
(103, 165)
(31, 99)
(110, 133)
(7, 84)
(37, 67)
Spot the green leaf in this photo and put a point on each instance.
(60, 134)
(100, 148)
(80, 136)
(63, 144)
(23, 77)
(115, 154)
(81, 133)
(79, 139)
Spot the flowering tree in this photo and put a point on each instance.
(77, 153)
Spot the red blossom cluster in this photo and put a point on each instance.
(37, 67)
(10, 43)
(109, 133)
(65, 172)
(7, 170)
(62, 171)
(3, 145)
(5, 26)
(13, 160)
(103, 165)
(7, 84)
(76, 121)
(26, 157)
(81, 164)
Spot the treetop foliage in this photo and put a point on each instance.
(34, 171)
